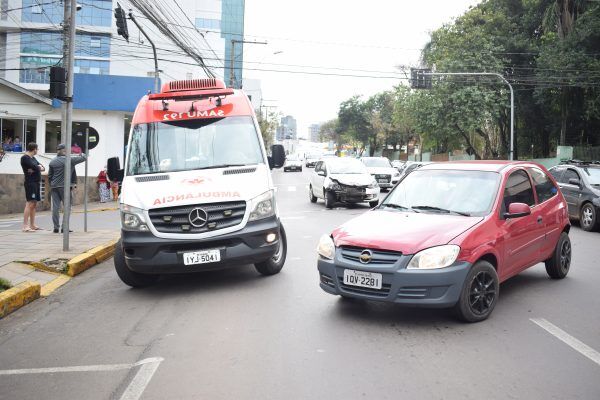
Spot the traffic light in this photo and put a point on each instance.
(121, 19)
(58, 83)
(419, 79)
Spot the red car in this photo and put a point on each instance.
(448, 234)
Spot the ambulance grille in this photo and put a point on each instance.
(177, 219)
(239, 171)
(151, 178)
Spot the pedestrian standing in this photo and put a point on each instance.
(56, 175)
(32, 170)
(103, 186)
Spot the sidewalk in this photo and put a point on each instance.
(19, 249)
(78, 209)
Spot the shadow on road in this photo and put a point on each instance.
(230, 279)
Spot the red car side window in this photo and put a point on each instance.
(544, 187)
(518, 190)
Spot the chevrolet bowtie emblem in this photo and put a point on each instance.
(366, 256)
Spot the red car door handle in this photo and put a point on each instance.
(539, 220)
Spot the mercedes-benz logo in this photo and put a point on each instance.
(366, 256)
(198, 217)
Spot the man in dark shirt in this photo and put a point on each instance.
(32, 170)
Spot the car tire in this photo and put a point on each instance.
(588, 217)
(329, 199)
(479, 294)
(311, 196)
(274, 264)
(374, 203)
(129, 277)
(559, 264)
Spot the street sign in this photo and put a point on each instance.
(79, 138)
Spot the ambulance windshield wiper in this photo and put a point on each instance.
(431, 208)
(221, 166)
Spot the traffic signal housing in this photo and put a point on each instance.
(121, 19)
(58, 83)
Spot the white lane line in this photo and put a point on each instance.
(569, 340)
(81, 368)
(140, 381)
(291, 188)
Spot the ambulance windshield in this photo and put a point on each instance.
(193, 144)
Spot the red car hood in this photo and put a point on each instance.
(406, 232)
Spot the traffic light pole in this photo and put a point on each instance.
(156, 70)
(68, 117)
(512, 99)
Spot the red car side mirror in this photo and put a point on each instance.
(517, 210)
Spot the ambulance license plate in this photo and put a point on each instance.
(201, 257)
(363, 279)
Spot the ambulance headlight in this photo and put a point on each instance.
(262, 206)
(132, 219)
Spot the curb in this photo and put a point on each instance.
(18, 296)
(97, 210)
(86, 260)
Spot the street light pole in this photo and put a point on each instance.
(512, 99)
(231, 60)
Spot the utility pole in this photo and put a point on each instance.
(512, 99)
(231, 61)
(65, 57)
(67, 124)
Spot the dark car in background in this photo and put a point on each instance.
(580, 184)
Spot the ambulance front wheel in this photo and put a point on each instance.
(128, 276)
(274, 264)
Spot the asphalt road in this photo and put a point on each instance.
(236, 335)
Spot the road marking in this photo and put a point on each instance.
(81, 368)
(291, 188)
(140, 380)
(569, 340)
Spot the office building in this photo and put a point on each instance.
(313, 132)
(287, 129)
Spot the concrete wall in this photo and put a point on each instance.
(562, 153)
(12, 193)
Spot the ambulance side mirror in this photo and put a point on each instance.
(113, 170)
(277, 158)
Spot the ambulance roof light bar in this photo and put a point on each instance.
(192, 89)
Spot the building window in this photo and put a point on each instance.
(36, 69)
(16, 133)
(53, 135)
(93, 12)
(208, 23)
(95, 42)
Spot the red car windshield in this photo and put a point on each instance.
(463, 192)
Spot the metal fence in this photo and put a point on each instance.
(586, 153)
